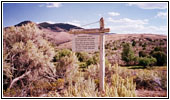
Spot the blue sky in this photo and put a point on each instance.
(119, 17)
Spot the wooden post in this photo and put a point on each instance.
(101, 31)
(102, 57)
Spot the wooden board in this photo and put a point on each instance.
(85, 42)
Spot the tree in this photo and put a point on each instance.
(134, 43)
(127, 54)
(161, 57)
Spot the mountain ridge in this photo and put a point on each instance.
(56, 27)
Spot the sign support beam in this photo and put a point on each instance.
(102, 57)
(101, 31)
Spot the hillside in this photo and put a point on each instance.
(58, 27)
(58, 34)
(143, 42)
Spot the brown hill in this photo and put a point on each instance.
(56, 33)
(58, 27)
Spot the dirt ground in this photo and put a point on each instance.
(147, 93)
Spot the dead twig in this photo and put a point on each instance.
(19, 78)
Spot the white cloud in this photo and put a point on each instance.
(51, 5)
(50, 22)
(126, 25)
(74, 22)
(128, 21)
(113, 13)
(149, 5)
(161, 14)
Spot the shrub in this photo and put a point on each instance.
(82, 56)
(133, 43)
(144, 45)
(62, 53)
(142, 54)
(145, 61)
(151, 79)
(64, 61)
(115, 48)
(27, 56)
(127, 54)
(158, 49)
(161, 57)
(88, 86)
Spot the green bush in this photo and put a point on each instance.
(158, 49)
(82, 56)
(62, 53)
(161, 58)
(64, 61)
(133, 43)
(142, 54)
(145, 61)
(144, 45)
(127, 54)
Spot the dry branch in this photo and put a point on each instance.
(19, 78)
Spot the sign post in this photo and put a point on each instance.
(102, 57)
(87, 43)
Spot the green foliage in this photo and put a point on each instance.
(83, 65)
(82, 56)
(114, 48)
(144, 45)
(64, 61)
(145, 61)
(62, 53)
(158, 49)
(142, 54)
(161, 57)
(133, 43)
(127, 53)
(87, 59)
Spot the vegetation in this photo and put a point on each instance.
(33, 67)
(26, 56)
(133, 43)
(31, 64)
(142, 54)
(128, 54)
(145, 61)
(161, 57)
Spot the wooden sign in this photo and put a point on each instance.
(85, 42)
(88, 40)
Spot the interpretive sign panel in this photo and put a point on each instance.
(85, 42)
